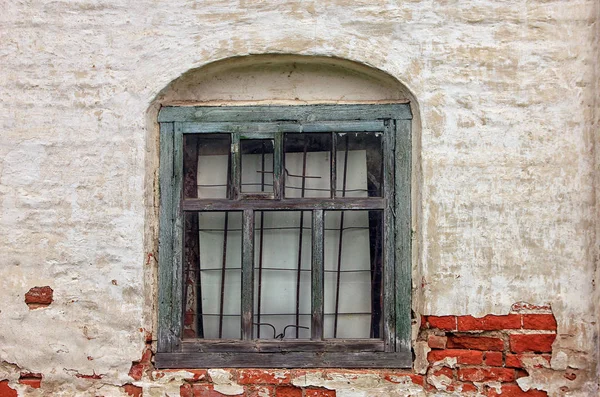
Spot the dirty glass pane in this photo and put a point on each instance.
(282, 265)
(353, 274)
(212, 279)
(257, 165)
(206, 165)
(307, 159)
(359, 165)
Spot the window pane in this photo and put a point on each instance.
(206, 165)
(212, 275)
(359, 165)
(282, 276)
(257, 165)
(353, 274)
(307, 165)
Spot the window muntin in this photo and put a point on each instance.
(326, 148)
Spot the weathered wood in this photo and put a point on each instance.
(177, 260)
(274, 346)
(389, 237)
(247, 274)
(191, 244)
(317, 274)
(266, 130)
(307, 204)
(333, 165)
(235, 176)
(287, 360)
(310, 113)
(257, 196)
(403, 234)
(278, 165)
(165, 239)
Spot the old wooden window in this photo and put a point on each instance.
(285, 236)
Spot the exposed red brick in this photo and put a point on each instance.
(468, 387)
(319, 393)
(520, 373)
(512, 390)
(486, 374)
(38, 297)
(539, 321)
(472, 357)
(475, 343)
(31, 379)
(395, 377)
(444, 371)
(437, 342)
(6, 390)
(493, 359)
(288, 391)
(137, 371)
(423, 322)
(263, 377)
(186, 390)
(490, 322)
(146, 356)
(513, 361)
(133, 390)
(447, 323)
(541, 343)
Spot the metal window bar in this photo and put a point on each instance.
(300, 235)
(224, 257)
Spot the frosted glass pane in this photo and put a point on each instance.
(307, 165)
(282, 274)
(257, 165)
(353, 274)
(206, 165)
(220, 240)
(359, 165)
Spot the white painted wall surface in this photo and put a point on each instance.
(504, 95)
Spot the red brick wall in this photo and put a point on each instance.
(466, 352)
(467, 356)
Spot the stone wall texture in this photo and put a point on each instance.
(505, 96)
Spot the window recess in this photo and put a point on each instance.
(284, 236)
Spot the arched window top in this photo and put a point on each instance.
(284, 79)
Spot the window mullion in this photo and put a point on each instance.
(333, 164)
(247, 273)
(235, 178)
(278, 165)
(317, 283)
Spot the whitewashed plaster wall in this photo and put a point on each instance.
(506, 92)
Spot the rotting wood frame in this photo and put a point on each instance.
(272, 122)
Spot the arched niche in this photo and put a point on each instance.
(283, 79)
(278, 79)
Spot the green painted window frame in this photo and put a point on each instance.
(394, 121)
